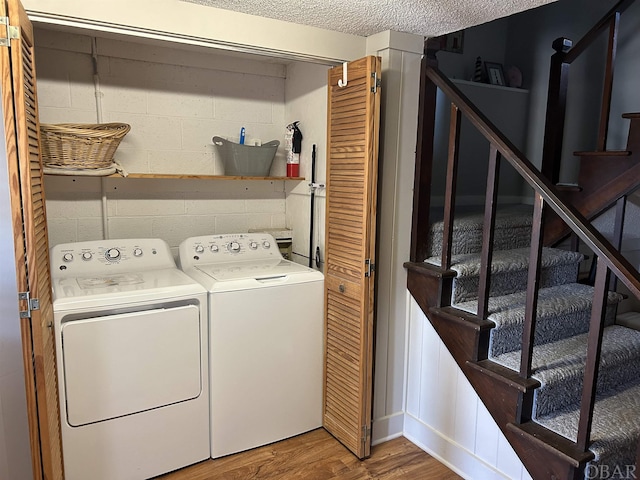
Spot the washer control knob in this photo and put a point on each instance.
(67, 257)
(214, 248)
(253, 245)
(87, 256)
(233, 247)
(137, 252)
(112, 254)
(266, 244)
(199, 249)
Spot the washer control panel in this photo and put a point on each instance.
(228, 248)
(95, 257)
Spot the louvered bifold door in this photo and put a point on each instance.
(21, 125)
(352, 146)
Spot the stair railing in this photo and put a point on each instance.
(545, 194)
(565, 55)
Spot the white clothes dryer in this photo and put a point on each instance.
(131, 343)
(266, 326)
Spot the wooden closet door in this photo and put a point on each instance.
(352, 164)
(21, 126)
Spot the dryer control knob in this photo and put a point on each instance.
(199, 249)
(112, 254)
(214, 248)
(233, 247)
(67, 257)
(87, 256)
(253, 245)
(137, 252)
(266, 244)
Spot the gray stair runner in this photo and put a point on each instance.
(512, 230)
(563, 311)
(614, 433)
(559, 366)
(560, 339)
(509, 270)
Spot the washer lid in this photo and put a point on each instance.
(259, 269)
(121, 288)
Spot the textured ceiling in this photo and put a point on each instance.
(367, 17)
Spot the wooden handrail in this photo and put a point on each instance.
(600, 246)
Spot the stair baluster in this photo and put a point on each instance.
(594, 347)
(605, 111)
(491, 198)
(525, 404)
(618, 230)
(533, 285)
(450, 192)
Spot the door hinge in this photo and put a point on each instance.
(369, 267)
(32, 304)
(366, 433)
(376, 82)
(12, 32)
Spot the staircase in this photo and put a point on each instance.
(558, 365)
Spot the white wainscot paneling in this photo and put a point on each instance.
(445, 417)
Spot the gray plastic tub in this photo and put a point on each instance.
(246, 160)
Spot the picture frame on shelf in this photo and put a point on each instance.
(450, 42)
(495, 73)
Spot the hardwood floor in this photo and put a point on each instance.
(318, 456)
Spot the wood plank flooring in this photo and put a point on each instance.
(318, 456)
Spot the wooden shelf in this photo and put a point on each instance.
(200, 177)
(183, 177)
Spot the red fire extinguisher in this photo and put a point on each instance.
(293, 144)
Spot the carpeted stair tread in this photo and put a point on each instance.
(509, 271)
(563, 311)
(559, 366)
(512, 230)
(615, 429)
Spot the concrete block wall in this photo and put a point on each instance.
(175, 101)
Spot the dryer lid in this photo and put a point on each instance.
(253, 270)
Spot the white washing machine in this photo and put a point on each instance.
(131, 343)
(266, 328)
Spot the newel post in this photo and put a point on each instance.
(424, 157)
(556, 106)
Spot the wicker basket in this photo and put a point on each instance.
(75, 145)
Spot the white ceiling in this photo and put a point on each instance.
(367, 17)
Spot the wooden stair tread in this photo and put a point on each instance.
(505, 375)
(631, 115)
(568, 187)
(456, 315)
(429, 269)
(551, 441)
(604, 153)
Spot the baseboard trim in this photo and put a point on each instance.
(387, 428)
(454, 456)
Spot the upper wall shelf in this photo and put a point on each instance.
(488, 85)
